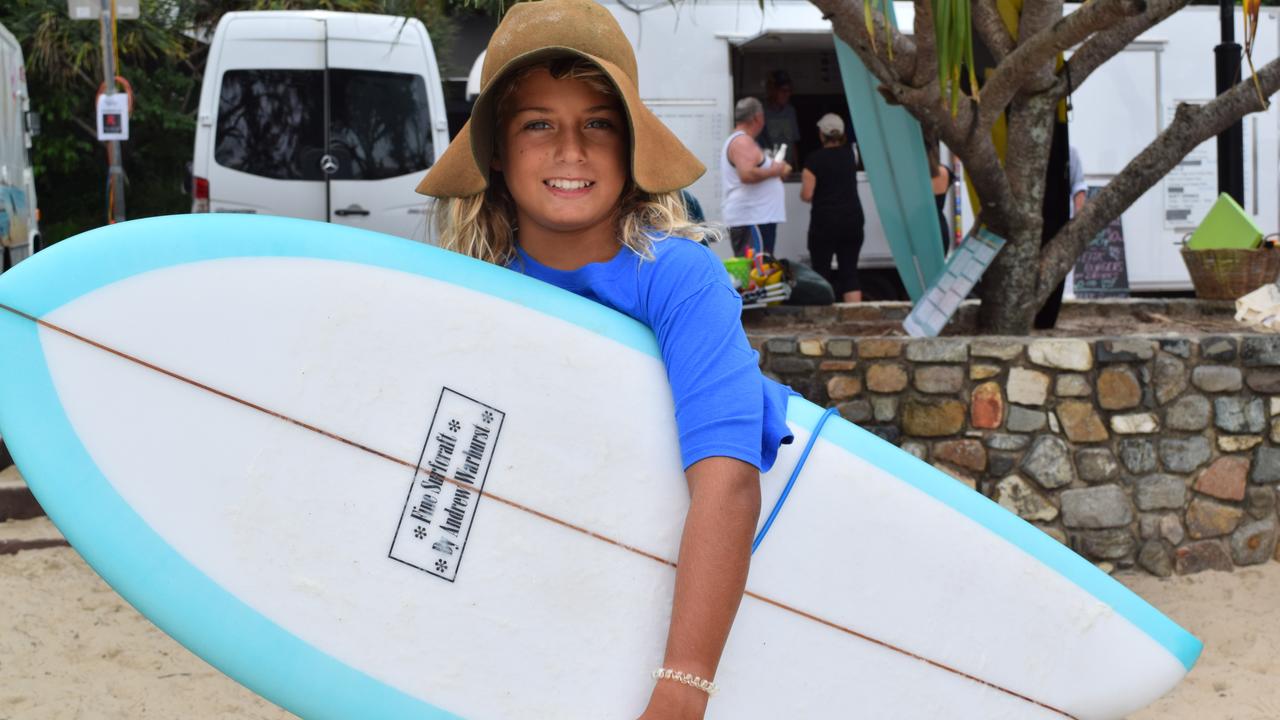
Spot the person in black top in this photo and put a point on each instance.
(942, 178)
(830, 182)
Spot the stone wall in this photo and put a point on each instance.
(1156, 452)
(1163, 315)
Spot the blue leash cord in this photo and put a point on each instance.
(777, 506)
(757, 240)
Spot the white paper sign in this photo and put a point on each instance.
(963, 270)
(1191, 187)
(92, 9)
(113, 117)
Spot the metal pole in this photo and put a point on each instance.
(328, 163)
(115, 175)
(1227, 73)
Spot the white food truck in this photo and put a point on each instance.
(320, 115)
(697, 58)
(19, 215)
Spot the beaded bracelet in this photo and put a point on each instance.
(705, 686)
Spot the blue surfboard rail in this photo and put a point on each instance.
(31, 418)
(1018, 532)
(150, 574)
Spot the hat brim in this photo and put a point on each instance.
(659, 161)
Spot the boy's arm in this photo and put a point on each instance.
(715, 552)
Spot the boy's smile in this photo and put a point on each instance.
(568, 187)
(562, 151)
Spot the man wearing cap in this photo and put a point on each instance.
(752, 199)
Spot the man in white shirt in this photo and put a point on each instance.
(752, 200)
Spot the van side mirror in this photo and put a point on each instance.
(33, 123)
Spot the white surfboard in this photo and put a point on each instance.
(369, 478)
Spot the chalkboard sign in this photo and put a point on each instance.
(1101, 270)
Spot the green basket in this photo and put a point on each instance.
(739, 269)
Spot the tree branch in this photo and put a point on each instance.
(925, 103)
(1191, 126)
(1030, 66)
(987, 175)
(850, 26)
(924, 100)
(86, 78)
(991, 28)
(1031, 120)
(926, 45)
(1106, 43)
(89, 131)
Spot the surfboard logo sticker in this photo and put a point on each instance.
(448, 483)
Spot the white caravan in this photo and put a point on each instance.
(19, 216)
(696, 58)
(1128, 101)
(320, 115)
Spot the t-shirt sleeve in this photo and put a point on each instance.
(811, 162)
(724, 406)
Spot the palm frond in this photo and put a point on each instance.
(953, 43)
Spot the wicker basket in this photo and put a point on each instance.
(1230, 274)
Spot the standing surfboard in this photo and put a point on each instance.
(892, 149)
(368, 478)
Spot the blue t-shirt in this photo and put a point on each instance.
(724, 406)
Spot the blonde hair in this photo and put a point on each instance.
(483, 225)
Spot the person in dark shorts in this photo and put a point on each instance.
(830, 182)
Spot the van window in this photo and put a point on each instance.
(271, 123)
(380, 125)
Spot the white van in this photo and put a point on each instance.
(320, 115)
(19, 216)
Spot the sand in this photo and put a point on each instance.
(72, 648)
(1237, 615)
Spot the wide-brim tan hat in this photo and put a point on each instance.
(536, 31)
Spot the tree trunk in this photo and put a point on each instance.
(1008, 291)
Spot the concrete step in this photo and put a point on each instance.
(16, 500)
(31, 534)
